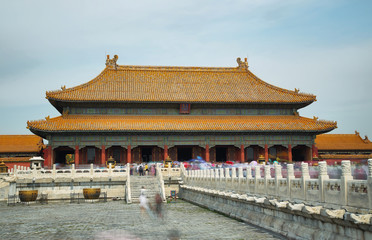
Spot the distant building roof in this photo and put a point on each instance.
(342, 142)
(20, 143)
(180, 123)
(117, 83)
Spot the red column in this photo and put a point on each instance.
(266, 153)
(129, 155)
(242, 153)
(207, 153)
(165, 152)
(314, 151)
(76, 155)
(290, 153)
(48, 157)
(103, 155)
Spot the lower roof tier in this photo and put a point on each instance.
(179, 123)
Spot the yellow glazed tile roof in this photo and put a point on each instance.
(178, 84)
(20, 143)
(14, 159)
(342, 142)
(179, 123)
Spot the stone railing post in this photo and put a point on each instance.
(369, 183)
(128, 194)
(73, 171)
(221, 180)
(54, 171)
(323, 175)
(195, 177)
(216, 178)
(227, 178)
(247, 178)
(240, 179)
(91, 171)
(233, 179)
(208, 178)
(110, 169)
(257, 176)
(345, 177)
(278, 176)
(15, 170)
(305, 177)
(290, 176)
(267, 177)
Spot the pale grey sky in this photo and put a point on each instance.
(320, 47)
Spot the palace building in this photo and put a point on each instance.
(18, 149)
(337, 147)
(147, 113)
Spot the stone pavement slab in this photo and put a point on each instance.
(118, 220)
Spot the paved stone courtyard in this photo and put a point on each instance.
(117, 220)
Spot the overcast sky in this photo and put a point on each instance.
(321, 47)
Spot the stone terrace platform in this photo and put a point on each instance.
(117, 220)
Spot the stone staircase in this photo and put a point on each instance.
(149, 182)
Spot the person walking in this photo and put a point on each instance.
(144, 205)
(140, 170)
(159, 206)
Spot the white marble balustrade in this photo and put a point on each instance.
(345, 191)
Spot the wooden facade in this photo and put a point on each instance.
(144, 114)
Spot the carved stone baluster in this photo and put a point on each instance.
(345, 177)
(290, 176)
(267, 176)
(278, 176)
(257, 176)
(248, 178)
(240, 178)
(323, 175)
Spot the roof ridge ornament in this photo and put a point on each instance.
(112, 62)
(241, 64)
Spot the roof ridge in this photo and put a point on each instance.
(176, 68)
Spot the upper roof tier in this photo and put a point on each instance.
(117, 83)
(179, 123)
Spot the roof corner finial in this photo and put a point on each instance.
(315, 118)
(297, 90)
(112, 62)
(356, 133)
(366, 138)
(241, 64)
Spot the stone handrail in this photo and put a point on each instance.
(159, 176)
(170, 172)
(345, 192)
(40, 175)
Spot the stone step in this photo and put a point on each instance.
(149, 182)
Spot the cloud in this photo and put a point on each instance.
(321, 47)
